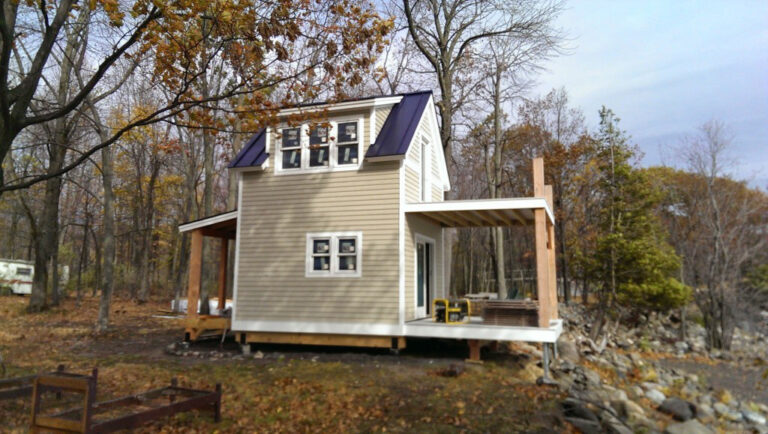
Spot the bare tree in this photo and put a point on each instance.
(449, 33)
(728, 221)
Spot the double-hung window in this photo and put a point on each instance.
(347, 143)
(334, 254)
(290, 148)
(319, 146)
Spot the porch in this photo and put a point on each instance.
(536, 212)
(222, 227)
(477, 329)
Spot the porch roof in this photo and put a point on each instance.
(222, 225)
(482, 212)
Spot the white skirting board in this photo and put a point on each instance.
(420, 328)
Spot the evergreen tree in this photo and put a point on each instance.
(633, 265)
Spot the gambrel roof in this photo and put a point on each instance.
(393, 140)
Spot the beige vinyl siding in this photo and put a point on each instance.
(437, 182)
(381, 116)
(420, 225)
(411, 185)
(413, 157)
(277, 212)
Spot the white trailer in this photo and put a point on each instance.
(17, 275)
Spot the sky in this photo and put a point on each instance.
(667, 67)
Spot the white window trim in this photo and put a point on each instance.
(425, 169)
(333, 165)
(334, 247)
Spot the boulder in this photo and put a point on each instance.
(678, 408)
(585, 426)
(692, 426)
(581, 417)
(681, 346)
(655, 396)
(568, 352)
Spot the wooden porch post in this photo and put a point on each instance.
(551, 255)
(223, 254)
(542, 254)
(195, 270)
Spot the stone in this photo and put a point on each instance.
(530, 373)
(637, 390)
(678, 408)
(575, 408)
(705, 414)
(726, 397)
(692, 426)
(681, 346)
(622, 362)
(565, 366)
(592, 376)
(655, 396)
(614, 425)
(721, 409)
(628, 409)
(258, 355)
(753, 417)
(585, 426)
(636, 359)
(650, 374)
(568, 352)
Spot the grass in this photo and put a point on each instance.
(292, 389)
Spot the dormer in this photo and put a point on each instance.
(351, 135)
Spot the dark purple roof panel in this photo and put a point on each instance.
(398, 130)
(254, 153)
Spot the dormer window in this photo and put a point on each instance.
(290, 148)
(320, 147)
(347, 143)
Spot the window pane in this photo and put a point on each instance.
(348, 132)
(23, 271)
(321, 263)
(321, 246)
(290, 137)
(348, 154)
(347, 245)
(348, 263)
(318, 156)
(318, 136)
(292, 159)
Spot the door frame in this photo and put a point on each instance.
(423, 312)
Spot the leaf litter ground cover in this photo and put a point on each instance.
(289, 389)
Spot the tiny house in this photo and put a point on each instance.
(340, 232)
(17, 275)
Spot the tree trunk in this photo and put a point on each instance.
(49, 233)
(83, 255)
(107, 282)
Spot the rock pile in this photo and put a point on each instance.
(613, 385)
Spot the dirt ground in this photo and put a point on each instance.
(292, 388)
(745, 380)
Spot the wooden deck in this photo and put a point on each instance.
(477, 329)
